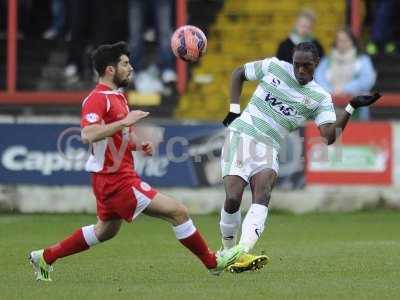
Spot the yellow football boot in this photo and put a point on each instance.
(248, 262)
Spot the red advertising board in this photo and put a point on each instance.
(362, 155)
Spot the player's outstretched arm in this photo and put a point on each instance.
(97, 132)
(237, 80)
(333, 130)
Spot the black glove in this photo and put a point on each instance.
(229, 118)
(365, 100)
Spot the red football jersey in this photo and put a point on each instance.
(113, 154)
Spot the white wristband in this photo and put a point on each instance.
(235, 108)
(350, 109)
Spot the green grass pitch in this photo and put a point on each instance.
(315, 256)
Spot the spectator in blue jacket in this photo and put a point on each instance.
(346, 71)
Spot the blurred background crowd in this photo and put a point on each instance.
(55, 38)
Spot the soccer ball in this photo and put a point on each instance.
(188, 43)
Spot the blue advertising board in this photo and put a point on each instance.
(187, 155)
(52, 154)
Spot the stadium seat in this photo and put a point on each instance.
(245, 31)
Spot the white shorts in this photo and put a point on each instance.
(244, 156)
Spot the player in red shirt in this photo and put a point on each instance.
(120, 193)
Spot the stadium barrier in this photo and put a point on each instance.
(362, 155)
(187, 156)
(42, 167)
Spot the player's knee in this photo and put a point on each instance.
(232, 203)
(180, 214)
(105, 236)
(263, 196)
(268, 191)
(262, 199)
(104, 233)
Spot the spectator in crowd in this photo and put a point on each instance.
(346, 71)
(302, 32)
(58, 12)
(382, 33)
(148, 81)
(90, 27)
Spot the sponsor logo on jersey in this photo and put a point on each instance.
(275, 82)
(309, 103)
(279, 106)
(92, 117)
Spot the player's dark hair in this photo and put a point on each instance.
(307, 47)
(108, 55)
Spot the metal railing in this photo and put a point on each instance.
(13, 96)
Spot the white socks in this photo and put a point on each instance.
(229, 225)
(253, 225)
(89, 235)
(184, 230)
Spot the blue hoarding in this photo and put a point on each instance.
(188, 155)
(52, 154)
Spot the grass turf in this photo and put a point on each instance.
(316, 256)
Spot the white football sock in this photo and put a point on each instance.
(184, 230)
(253, 225)
(229, 225)
(89, 234)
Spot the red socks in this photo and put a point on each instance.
(71, 245)
(191, 238)
(85, 237)
(198, 246)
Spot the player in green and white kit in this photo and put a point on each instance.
(284, 99)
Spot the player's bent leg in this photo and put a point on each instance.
(106, 230)
(230, 212)
(253, 225)
(81, 240)
(234, 187)
(261, 185)
(169, 209)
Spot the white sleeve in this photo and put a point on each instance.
(325, 112)
(256, 70)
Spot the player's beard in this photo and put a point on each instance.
(121, 82)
